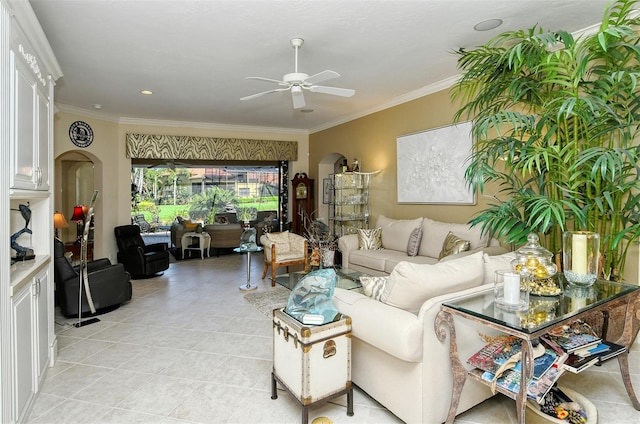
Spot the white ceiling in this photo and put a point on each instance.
(195, 55)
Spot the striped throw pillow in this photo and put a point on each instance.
(370, 239)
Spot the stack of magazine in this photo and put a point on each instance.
(491, 357)
(573, 348)
(582, 346)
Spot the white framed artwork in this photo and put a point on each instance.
(431, 166)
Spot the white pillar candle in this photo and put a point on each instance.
(512, 288)
(579, 254)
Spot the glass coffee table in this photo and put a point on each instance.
(347, 279)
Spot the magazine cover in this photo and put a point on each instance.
(495, 353)
(573, 336)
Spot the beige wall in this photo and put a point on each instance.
(372, 140)
(112, 173)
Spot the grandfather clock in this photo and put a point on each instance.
(302, 201)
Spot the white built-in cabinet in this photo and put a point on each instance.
(30, 151)
(30, 340)
(28, 70)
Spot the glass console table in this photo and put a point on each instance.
(612, 308)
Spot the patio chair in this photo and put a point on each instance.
(140, 221)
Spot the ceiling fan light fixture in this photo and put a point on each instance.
(297, 82)
(488, 25)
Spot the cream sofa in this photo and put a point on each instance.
(396, 234)
(396, 357)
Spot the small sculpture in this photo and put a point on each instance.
(22, 253)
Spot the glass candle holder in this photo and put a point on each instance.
(511, 292)
(580, 251)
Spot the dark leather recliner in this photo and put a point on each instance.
(139, 259)
(109, 283)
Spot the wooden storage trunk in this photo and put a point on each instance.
(312, 362)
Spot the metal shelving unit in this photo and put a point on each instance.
(349, 207)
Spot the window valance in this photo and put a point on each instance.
(149, 146)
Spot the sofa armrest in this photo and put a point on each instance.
(346, 244)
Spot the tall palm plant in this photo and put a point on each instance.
(555, 119)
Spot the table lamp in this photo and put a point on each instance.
(59, 221)
(78, 216)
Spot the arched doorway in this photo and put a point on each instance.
(76, 178)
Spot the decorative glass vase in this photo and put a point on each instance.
(511, 292)
(580, 255)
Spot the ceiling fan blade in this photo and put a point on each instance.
(322, 76)
(344, 92)
(253, 96)
(298, 97)
(267, 79)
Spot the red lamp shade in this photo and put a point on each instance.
(78, 213)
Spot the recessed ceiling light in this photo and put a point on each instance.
(97, 106)
(146, 92)
(488, 25)
(306, 110)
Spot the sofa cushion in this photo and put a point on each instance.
(434, 233)
(453, 244)
(281, 240)
(391, 330)
(410, 285)
(494, 263)
(396, 232)
(370, 239)
(413, 245)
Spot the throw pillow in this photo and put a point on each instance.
(370, 239)
(373, 286)
(414, 241)
(281, 240)
(221, 219)
(190, 226)
(452, 245)
(410, 285)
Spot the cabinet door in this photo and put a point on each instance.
(24, 385)
(23, 118)
(43, 150)
(41, 325)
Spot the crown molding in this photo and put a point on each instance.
(404, 98)
(175, 124)
(29, 23)
(211, 126)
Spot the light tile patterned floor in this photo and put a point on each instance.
(189, 349)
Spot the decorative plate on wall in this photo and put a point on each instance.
(81, 134)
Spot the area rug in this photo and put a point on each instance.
(266, 301)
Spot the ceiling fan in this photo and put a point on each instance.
(297, 82)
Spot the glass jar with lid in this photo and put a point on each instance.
(535, 264)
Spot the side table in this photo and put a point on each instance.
(204, 242)
(74, 248)
(312, 362)
(248, 251)
(615, 305)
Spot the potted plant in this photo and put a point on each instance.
(555, 119)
